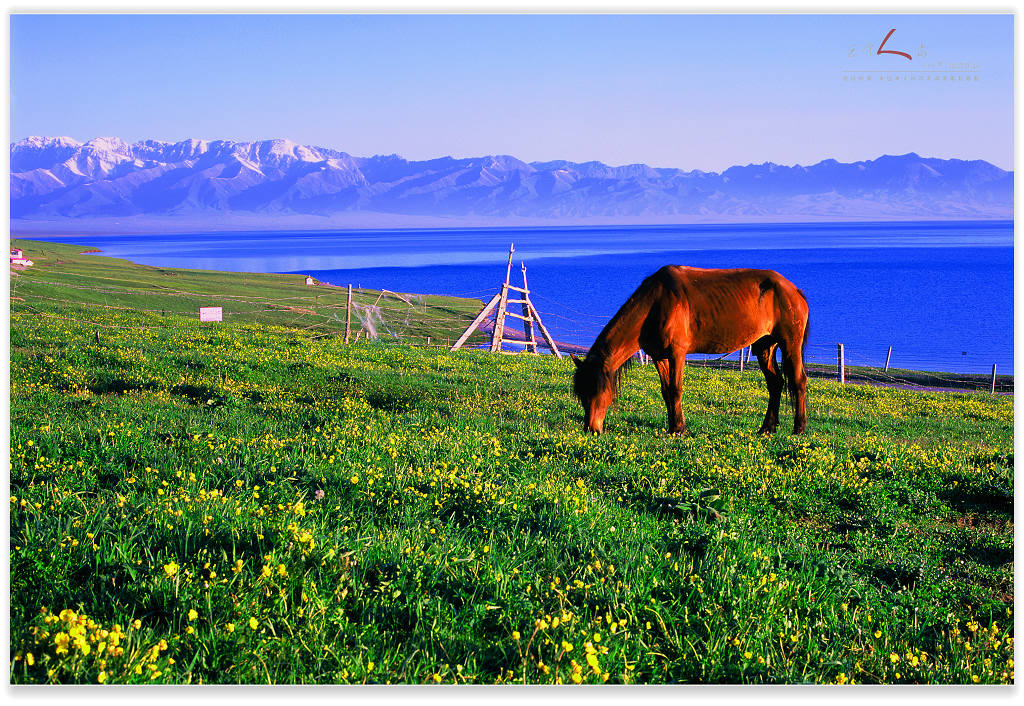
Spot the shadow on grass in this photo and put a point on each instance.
(120, 386)
(987, 497)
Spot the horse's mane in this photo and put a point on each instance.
(590, 376)
(620, 374)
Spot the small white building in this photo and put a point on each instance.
(309, 280)
(18, 258)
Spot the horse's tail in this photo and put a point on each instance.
(789, 380)
(786, 370)
(807, 326)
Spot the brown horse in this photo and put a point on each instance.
(680, 310)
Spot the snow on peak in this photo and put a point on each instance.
(286, 148)
(186, 149)
(108, 144)
(39, 142)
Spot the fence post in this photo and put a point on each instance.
(842, 365)
(887, 357)
(993, 378)
(348, 315)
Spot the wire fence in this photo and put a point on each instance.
(423, 320)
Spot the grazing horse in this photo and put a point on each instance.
(680, 310)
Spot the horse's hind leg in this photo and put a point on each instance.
(793, 366)
(764, 349)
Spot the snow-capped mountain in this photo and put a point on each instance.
(58, 178)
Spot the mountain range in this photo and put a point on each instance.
(60, 179)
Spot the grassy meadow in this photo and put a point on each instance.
(256, 502)
(65, 281)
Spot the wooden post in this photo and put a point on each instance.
(993, 378)
(476, 322)
(842, 365)
(508, 269)
(531, 340)
(348, 315)
(499, 320)
(887, 357)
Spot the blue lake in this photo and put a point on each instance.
(939, 293)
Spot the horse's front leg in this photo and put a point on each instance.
(670, 370)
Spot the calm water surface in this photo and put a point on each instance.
(939, 293)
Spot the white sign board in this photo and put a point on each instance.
(211, 313)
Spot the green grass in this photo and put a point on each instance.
(64, 281)
(243, 503)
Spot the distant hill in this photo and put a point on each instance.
(59, 179)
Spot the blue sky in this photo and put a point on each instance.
(689, 91)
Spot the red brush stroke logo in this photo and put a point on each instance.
(890, 51)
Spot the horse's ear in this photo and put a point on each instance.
(576, 360)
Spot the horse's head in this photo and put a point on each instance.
(595, 389)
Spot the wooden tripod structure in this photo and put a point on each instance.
(501, 301)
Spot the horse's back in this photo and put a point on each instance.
(694, 282)
(721, 310)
